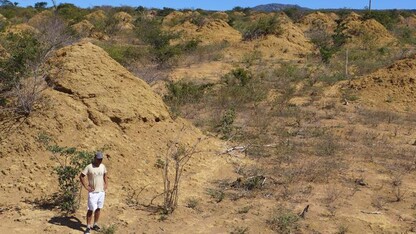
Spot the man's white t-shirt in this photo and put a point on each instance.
(95, 176)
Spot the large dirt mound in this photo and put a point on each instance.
(319, 21)
(94, 102)
(96, 16)
(21, 28)
(208, 30)
(366, 32)
(83, 28)
(291, 44)
(393, 87)
(40, 18)
(409, 21)
(124, 21)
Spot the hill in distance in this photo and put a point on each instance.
(277, 7)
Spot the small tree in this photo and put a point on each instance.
(23, 73)
(71, 162)
(177, 156)
(40, 5)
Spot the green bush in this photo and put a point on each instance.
(124, 54)
(238, 76)
(226, 124)
(40, 5)
(71, 12)
(15, 13)
(329, 45)
(191, 45)
(192, 203)
(151, 33)
(217, 195)
(185, 92)
(71, 162)
(267, 25)
(181, 93)
(23, 49)
(240, 87)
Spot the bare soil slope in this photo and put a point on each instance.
(392, 87)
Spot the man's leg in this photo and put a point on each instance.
(89, 218)
(100, 204)
(92, 206)
(96, 215)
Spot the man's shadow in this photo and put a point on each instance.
(69, 221)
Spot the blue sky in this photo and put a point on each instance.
(229, 4)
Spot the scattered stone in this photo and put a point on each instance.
(360, 182)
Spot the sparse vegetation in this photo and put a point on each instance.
(192, 203)
(111, 229)
(284, 221)
(299, 121)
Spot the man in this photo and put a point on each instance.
(96, 187)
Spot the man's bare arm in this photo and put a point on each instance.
(105, 181)
(87, 187)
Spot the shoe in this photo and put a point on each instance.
(96, 227)
(87, 231)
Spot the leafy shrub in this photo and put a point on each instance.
(191, 45)
(151, 33)
(123, 54)
(267, 25)
(25, 68)
(329, 45)
(23, 48)
(238, 76)
(185, 92)
(226, 124)
(240, 87)
(40, 5)
(13, 12)
(71, 12)
(71, 162)
(192, 203)
(181, 93)
(217, 195)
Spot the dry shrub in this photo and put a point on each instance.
(283, 221)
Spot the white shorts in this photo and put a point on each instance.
(96, 200)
